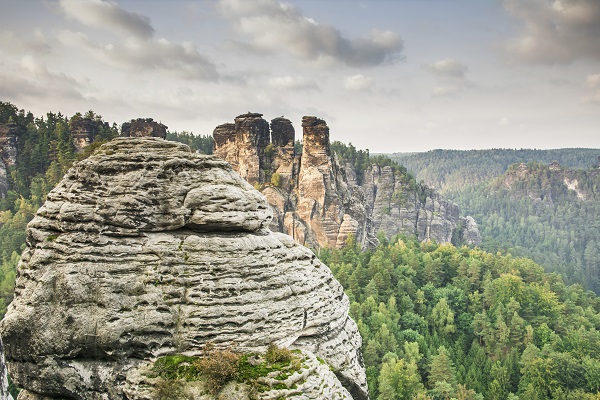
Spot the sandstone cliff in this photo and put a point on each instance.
(9, 138)
(4, 394)
(145, 250)
(316, 197)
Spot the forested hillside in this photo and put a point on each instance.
(545, 212)
(440, 322)
(451, 170)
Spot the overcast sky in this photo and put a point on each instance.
(387, 75)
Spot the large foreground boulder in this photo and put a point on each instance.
(146, 249)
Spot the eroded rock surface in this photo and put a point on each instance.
(146, 249)
(318, 200)
(144, 127)
(9, 138)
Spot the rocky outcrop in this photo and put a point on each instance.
(82, 132)
(146, 249)
(9, 138)
(4, 394)
(318, 200)
(143, 127)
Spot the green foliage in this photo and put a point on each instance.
(202, 143)
(444, 322)
(452, 170)
(530, 212)
(220, 366)
(276, 180)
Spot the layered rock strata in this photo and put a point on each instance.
(146, 249)
(318, 201)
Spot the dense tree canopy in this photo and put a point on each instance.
(440, 322)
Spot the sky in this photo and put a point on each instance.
(386, 75)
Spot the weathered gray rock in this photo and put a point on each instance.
(9, 138)
(146, 249)
(143, 127)
(4, 394)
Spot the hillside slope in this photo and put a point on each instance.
(549, 213)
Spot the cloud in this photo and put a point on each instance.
(274, 27)
(179, 60)
(16, 43)
(107, 15)
(359, 83)
(593, 82)
(451, 77)
(293, 83)
(556, 32)
(30, 78)
(448, 68)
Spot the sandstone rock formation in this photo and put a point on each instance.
(143, 127)
(317, 199)
(9, 137)
(4, 394)
(146, 249)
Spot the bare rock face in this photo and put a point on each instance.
(82, 132)
(9, 138)
(146, 249)
(4, 394)
(143, 127)
(318, 200)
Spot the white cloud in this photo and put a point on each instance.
(448, 68)
(504, 121)
(556, 32)
(359, 83)
(18, 44)
(107, 15)
(593, 82)
(293, 83)
(179, 60)
(274, 27)
(451, 77)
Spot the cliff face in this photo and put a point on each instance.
(9, 137)
(146, 249)
(317, 200)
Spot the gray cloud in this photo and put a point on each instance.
(179, 60)
(30, 78)
(556, 32)
(271, 26)
(19, 44)
(107, 15)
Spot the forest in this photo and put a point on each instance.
(440, 322)
(454, 170)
